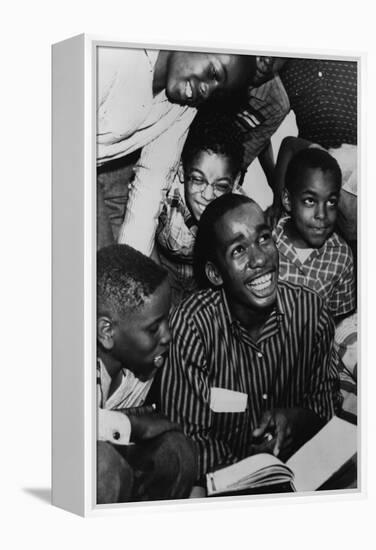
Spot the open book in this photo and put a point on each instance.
(307, 470)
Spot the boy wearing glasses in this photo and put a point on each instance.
(210, 167)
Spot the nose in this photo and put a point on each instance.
(165, 334)
(320, 212)
(256, 257)
(208, 192)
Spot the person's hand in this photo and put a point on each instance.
(149, 425)
(283, 431)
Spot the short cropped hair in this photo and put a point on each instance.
(206, 238)
(311, 158)
(214, 133)
(125, 278)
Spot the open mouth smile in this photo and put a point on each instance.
(262, 283)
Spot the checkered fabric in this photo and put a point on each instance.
(328, 270)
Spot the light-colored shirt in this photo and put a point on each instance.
(115, 426)
(129, 117)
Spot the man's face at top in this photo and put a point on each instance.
(193, 77)
(246, 258)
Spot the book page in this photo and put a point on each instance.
(243, 470)
(323, 455)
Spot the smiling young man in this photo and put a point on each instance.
(251, 362)
(147, 99)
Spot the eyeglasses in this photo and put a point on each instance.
(219, 188)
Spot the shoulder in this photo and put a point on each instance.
(339, 247)
(201, 307)
(300, 298)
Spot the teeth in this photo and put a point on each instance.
(261, 282)
(188, 91)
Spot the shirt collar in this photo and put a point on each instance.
(270, 327)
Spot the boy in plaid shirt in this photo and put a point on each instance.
(311, 253)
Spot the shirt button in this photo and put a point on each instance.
(259, 354)
(265, 396)
(320, 74)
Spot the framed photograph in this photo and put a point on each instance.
(205, 290)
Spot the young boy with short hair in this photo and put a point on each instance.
(310, 251)
(133, 301)
(210, 167)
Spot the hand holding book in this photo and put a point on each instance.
(282, 431)
(311, 466)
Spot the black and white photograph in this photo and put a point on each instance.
(226, 274)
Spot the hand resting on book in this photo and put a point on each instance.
(288, 429)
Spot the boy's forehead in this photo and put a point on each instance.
(245, 217)
(316, 179)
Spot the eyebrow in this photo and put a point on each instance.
(240, 236)
(311, 192)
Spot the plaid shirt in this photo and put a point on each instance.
(328, 270)
(268, 105)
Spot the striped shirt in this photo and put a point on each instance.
(292, 364)
(328, 270)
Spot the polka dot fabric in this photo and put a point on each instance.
(323, 95)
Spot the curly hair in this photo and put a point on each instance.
(215, 133)
(125, 278)
(311, 158)
(206, 238)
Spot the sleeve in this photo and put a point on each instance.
(268, 106)
(343, 298)
(154, 173)
(185, 394)
(322, 394)
(114, 427)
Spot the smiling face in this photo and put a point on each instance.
(313, 208)
(141, 340)
(193, 77)
(246, 260)
(207, 176)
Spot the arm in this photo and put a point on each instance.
(266, 159)
(185, 393)
(155, 171)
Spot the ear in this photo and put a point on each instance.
(213, 274)
(181, 172)
(105, 332)
(286, 200)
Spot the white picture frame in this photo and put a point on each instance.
(74, 250)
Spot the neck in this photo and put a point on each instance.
(293, 235)
(251, 319)
(160, 72)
